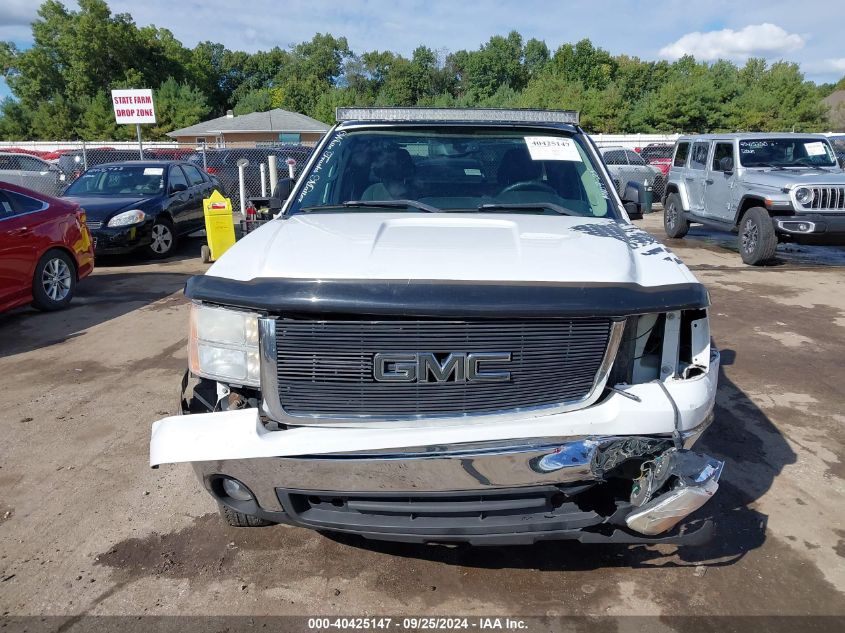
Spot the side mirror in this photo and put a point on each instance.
(282, 191)
(726, 164)
(634, 210)
(632, 200)
(178, 187)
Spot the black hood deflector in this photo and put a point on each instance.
(444, 298)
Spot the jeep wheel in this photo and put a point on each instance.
(757, 239)
(239, 519)
(674, 223)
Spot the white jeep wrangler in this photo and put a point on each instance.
(451, 333)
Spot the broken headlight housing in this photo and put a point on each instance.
(663, 346)
(223, 345)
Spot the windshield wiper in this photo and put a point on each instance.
(779, 167)
(517, 206)
(376, 204)
(811, 166)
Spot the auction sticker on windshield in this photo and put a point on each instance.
(552, 148)
(815, 149)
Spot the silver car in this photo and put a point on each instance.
(625, 166)
(31, 172)
(768, 188)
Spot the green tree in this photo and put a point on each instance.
(62, 82)
(777, 98)
(96, 119)
(536, 57)
(497, 63)
(15, 121)
(177, 105)
(332, 99)
(584, 63)
(259, 100)
(55, 118)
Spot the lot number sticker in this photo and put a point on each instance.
(815, 149)
(552, 148)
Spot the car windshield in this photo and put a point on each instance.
(455, 169)
(124, 180)
(786, 152)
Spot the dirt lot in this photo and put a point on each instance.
(88, 528)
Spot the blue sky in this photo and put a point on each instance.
(809, 33)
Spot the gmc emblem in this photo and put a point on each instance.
(425, 367)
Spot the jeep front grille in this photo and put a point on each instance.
(325, 368)
(827, 199)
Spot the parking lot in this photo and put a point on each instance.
(88, 528)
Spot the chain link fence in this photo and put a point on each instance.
(49, 167)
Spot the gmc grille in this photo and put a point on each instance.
(325, 368)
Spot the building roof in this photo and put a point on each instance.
(835, 98)
(836, 116)
(277, 120)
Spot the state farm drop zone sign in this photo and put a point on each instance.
(133, 106)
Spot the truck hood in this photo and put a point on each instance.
(483, 247)
(780, 178)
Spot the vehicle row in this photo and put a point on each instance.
(48, 244)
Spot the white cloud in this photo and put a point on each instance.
(755, 40)
(833, 65)
(15, 18)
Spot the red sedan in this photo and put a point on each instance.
(45, 248)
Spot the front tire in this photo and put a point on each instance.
(757, 239)
(239, 519)
(675, 224)
(163, 239)
(54, 281)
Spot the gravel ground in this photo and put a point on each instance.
(88, 529)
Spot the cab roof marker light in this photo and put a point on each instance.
(467, 115)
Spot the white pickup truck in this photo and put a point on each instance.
(451, 332)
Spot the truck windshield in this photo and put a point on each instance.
(786, 152)
(455, 170)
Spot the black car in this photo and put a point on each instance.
(142, 204)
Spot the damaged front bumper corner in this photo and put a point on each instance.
(694, 479)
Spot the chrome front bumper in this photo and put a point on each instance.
(480, 495)
(567, 451)
(552, 461)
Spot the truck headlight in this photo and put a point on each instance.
(803, 196)
(135, 216)
(223, 345)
